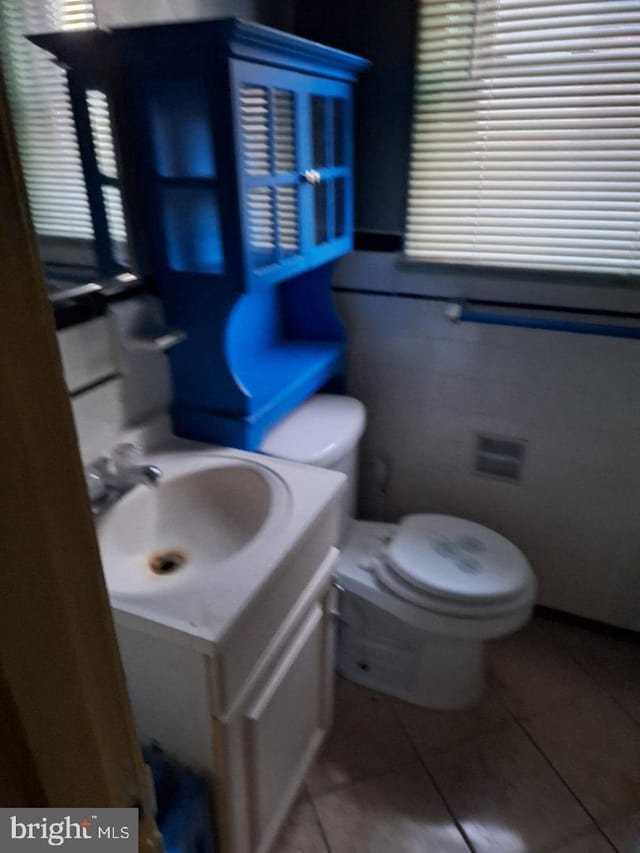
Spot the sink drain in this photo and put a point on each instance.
(165, 562)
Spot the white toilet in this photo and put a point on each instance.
(419, 597)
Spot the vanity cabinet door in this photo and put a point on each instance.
(286, 722)
(268, 728)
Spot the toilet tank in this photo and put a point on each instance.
(324, 431)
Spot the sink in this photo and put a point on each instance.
(193, 524)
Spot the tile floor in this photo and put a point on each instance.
(547, 762)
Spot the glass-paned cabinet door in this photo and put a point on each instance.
(266, 104)
(330, 175)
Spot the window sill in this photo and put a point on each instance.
(77, 300)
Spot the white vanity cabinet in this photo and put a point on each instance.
(251, 709)
(270, 737)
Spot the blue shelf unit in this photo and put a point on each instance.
(234, 142)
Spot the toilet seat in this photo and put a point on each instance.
(455, 567)
(449, 607)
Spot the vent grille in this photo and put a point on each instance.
(284, 134)
(499, 457)
(261, 225)
(287, 207)
(267, 119)
(254, 120)
(259, 159)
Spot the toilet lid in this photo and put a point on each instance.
(457, 559)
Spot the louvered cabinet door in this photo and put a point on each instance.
(267, 103)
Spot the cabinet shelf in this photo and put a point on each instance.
(192, 228)
(288, 373)
(288, 366)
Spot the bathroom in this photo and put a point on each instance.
(505, 394)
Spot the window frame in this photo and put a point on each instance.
(85, 255)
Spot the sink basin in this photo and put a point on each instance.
(188, 526)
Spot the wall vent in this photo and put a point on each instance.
(499, 457)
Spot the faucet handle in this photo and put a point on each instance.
(125, 457)
(96, 477)
(130, 467)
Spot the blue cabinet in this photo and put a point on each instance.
(235, 153)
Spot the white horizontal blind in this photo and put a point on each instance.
(42, 114)
(100, 121)
(526, 134)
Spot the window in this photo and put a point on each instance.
(46, 134)
(526, 134)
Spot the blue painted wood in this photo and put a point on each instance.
(321, 368)
(577, 327)
(226, 223)
(303, 89)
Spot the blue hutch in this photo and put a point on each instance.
(234, 146)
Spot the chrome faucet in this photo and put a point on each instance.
(108, 479)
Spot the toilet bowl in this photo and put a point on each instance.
(418, 598)
(422, 639)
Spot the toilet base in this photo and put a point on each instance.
(391, 645)
(379, 651)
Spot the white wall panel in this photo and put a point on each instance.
(430, 385)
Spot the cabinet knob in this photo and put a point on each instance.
(311, 176)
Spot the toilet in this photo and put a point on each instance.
(418, 598)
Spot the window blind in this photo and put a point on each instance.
(100, 121)
(526, 134)
(42, 114)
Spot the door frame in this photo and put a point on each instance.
(67, 725)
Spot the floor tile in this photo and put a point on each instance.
(505, 795)
(301, 833)
(367, 740)
(593, 842)
(532, 673)
(624, 833)
(614, 664)
(435, 731)
(400, 812)
(595, 746)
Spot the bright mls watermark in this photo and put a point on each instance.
(27, 830)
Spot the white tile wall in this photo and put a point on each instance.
(113, 13)
(87, 353)
(146, 382)
(100, 418)
(102, 347)
(430, 385)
